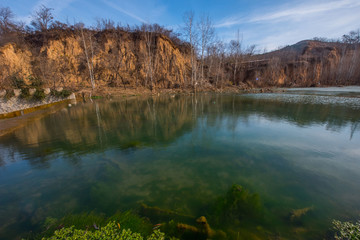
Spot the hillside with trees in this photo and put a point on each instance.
(150, 56)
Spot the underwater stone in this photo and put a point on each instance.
(296, 214)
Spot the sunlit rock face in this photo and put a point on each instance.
(118, 59)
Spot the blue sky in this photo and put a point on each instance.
(266, 23)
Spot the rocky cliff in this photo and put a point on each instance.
(307, 63)
(112, 57)
(78, 59)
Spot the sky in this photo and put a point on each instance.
(269, 24)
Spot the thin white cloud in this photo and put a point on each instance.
(116, 7)
(290, 24)
(305, 10)
(228, 22)
(285, 14)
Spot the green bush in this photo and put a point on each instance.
(63, 94)
(39, 95)
(111, 231)
(35, 81)
(25, 93)
(17, 82)
(346, 230)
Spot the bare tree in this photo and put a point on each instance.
(206, 29)
(191, 35)
(236, 53)
(104, 24)
(42, 18)
(352, 38)
(250, 50)
(148, 32)
(215, 63)
(90, 64)
(6, 20)
(220, 51)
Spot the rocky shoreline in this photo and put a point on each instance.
(16, 103)
(11, 101)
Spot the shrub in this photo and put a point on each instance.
(347, 230)
(17, 82)
(39, 95)
(35, 81)
(63, 94)
(110, 231)
(25, 93)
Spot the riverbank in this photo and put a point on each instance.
(16, 106)
(18, 111)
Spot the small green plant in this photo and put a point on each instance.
(35, 81)
(347, 230)
(53, 92)
(39, 95)
(63, 94)
(111, 231)
(17, 82)
(96, 97)
(25, 93)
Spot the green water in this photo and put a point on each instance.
(183, 153)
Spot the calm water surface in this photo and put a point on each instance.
(295, 150)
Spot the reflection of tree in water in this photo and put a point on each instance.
(101, 125)
(354, 127)
(158, 121)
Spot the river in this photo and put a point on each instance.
(297, 151)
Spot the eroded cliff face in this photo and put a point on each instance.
(307, 63)
(115, 59)
(14, 60)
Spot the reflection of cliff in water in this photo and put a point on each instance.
(97, 126)
(157, 121)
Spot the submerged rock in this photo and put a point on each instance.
(159, 214)
(296, 214)
(203, 229)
